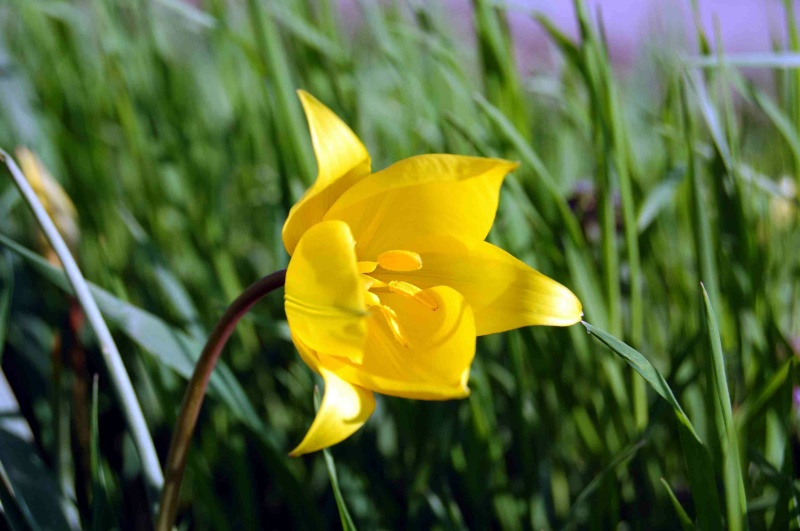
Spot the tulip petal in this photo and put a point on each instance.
(342, 160)
(435, 365)
(324, 292)
(426, 194)
(344, 409)
(504, 292)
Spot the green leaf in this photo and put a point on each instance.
(103, 516)
(7, 287)
(170, 346)
(178, 351)
(755, 402)
(784, 483)
(735, 498)
(660, 197)
(29, 491)
(698, 459)
(622, 458)
(683, 518)
(531, 159)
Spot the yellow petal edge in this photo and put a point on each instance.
(323, 292)
(344, 409)
(342, 160)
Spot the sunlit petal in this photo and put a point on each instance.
(434, 365)
(324, 292)
(344, 409)
(428, 194)
(504, 292)
(342, 160)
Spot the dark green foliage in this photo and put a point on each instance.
(176, 132)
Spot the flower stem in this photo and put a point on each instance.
(193, 399)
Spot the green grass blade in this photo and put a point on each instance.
(174, 348)
(704, 245)
(7, 275)
(178, 351)
(28, 486)
(531, 159)
(639, 363)
(753, 405)
(622, 458)
(103, 516)
(793, 92)
(788, 487)
(683, 518)
(781, 122)
(736, 500)
(287, 107)
(657, 200)
(17, 518)
(126, 396)
(698, 460)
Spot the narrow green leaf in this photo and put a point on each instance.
(704, 246)
(781, 122)
(289, 118)
(17, 516)
(178, 351)
(172, 347)
(7, 287)
(639, 363)
(660, 197)
(29, 488)
(683, 518)
(564, 43)
(785, 483)
(530, 158)
(121, 382)
(755, 402)
(306, 32)
(698, 459)
(103, 516)
(735, 498)
(622, 458)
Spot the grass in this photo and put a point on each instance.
(176, 132)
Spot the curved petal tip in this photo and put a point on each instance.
(344, 409)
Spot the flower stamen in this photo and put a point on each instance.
(394, 325)
(412, 291)
(400, 261)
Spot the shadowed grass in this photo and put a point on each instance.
(175, 131)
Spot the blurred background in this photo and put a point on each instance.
(659, 145)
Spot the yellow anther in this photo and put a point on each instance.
(400, 261)
(410, 290)
(394, 325)
(366, 267)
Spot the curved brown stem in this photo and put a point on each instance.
(193, 399)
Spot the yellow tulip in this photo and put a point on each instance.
(390, 279)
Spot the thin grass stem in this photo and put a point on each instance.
(120, 380)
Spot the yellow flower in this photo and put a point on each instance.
(55, 200)
(390, 279)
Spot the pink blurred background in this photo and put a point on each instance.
(632, 26)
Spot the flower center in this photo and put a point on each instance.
(398, 261)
